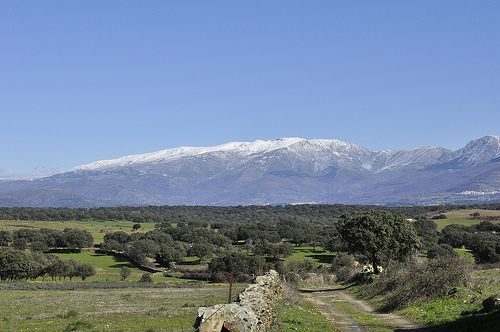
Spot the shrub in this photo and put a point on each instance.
(146, 278)
(442, 250)
(343, 266)
(414, 281)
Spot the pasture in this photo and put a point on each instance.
(462, 217)
(137, 309)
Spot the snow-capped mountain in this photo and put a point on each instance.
(281, 171)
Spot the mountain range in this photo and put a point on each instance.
(281, 171)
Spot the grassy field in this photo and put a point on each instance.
(320, 256)
(462, 217)
(147, 309)
(107, 266)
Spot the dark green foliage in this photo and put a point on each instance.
(305, 213)
(427, 230)
(5, 238)
(378, 235)
(139, 250)
(44, 239)
(125, 272)
(15, 264)
(482, 239)
(18, 264)
(273, 250)
(235, 261)
(146, 278)
(84, 270)
(442, 250)
(456, 235)
(485, 247)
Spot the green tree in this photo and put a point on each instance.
(125, 272)
(378, 235)
(5, 238)
(84, 270)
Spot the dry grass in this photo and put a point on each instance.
(165, 309)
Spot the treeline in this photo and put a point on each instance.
(18, 264)
(44, 239)
(306, 213)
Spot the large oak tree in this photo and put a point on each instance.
(378, 236)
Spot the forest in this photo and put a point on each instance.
(250, 236)
(311, 213)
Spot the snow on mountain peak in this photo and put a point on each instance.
(243, 148)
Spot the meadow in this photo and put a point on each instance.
(462, 217)
(138, 309)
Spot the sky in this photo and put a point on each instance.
(83, 81)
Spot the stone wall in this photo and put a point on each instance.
(253, 312)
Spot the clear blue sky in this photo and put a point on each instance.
(88, 80)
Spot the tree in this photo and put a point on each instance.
(5, 238)
(201, 250)
(85, 270)
(427, 230)
(136, 226)
(125, 272)
(378, 235)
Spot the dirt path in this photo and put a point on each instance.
(341, 308)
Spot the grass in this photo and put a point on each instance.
(107, 266)
(366, 320)
(301, 318)
(320, 256)
(166, 309)
(462, 217)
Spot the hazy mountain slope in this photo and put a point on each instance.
(288, 170)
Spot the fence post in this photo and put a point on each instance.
(230, 288)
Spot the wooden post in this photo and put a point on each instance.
(230, 288)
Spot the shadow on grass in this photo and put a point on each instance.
(472, 322)
(323, 259)
(128, 264)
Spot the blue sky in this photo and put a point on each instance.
(88, 80)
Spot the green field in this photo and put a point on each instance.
(320, 256)
(462, 217)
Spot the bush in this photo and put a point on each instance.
(146, 278)
(414, 281)
(343, 266)
(442, 250)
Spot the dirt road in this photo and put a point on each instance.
(347, 312)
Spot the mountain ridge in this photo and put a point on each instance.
(281, 171)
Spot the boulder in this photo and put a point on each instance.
(491, 303)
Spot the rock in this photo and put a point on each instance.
(253, 312)
(491, 303)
